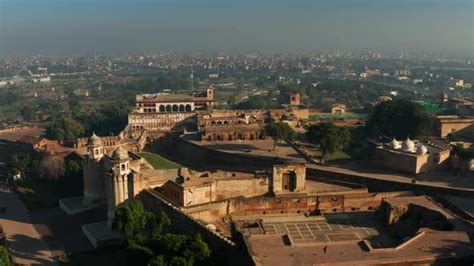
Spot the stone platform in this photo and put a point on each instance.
(100, 234)
(74, 205)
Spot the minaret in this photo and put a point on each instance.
(118, 184)
(92, 171)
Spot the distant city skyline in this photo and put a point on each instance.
(58, 27)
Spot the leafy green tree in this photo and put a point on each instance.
(328, 137)
(5, 257)
(198, 249)
(65, 129)
(73, 168)
(398, 118)
(138, 254)
(178, 261)
(345, 136)
(28, 113)
(131, 219)
(279, 131)
(20, 163)
(157, 261)
(160, 247)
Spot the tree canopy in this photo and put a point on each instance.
(328, 137)
(65, 129)
(131, 219)
(279, 131)
(151, 243)
(20, 163)
(398, 118)
(5, 257)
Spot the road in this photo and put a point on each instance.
(435, 181)
(27, 246)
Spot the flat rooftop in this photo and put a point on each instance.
(257, 148)
(338, 239)
(196, 178)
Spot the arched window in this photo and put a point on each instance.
(181, 108)
(168, 108)
(188, 108)
(175, 108)
(226, 122)
(162, 108)
(123, 167)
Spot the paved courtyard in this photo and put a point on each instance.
(259, 148)
(329, 229)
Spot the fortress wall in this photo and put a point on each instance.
(295, 204)
(240, 187)
(185, 224)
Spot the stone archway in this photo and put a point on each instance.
(188, 108)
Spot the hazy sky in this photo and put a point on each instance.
(82, 26)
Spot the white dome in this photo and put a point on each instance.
(394, 144)
(211, 227)
(408, 145)
(421, 150)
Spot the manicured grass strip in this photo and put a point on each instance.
(158, 162)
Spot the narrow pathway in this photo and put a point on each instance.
(27, 246)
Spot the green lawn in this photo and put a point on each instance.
(338, 155)
(158, 162)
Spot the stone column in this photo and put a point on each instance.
(125, 188)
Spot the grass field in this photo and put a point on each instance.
(158, 162)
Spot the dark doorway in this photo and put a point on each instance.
(288, 181)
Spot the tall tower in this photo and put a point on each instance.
(118, 189)
(92, 171)
(210, 94)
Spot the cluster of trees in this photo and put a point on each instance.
(257, 102)
(149, 241)
(398, 118)
(8, 97)
(329, 138)
(106, 120)
(45, 167)
(279, 132)
(65, 129)
(5, 257)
